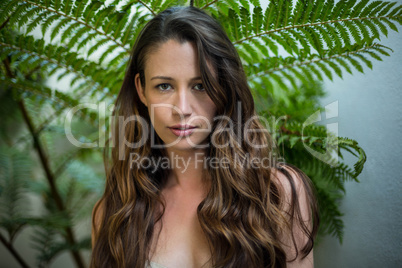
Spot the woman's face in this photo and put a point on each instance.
(179, 107)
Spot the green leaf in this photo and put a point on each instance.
(74, 40)
(337, 38)
(325, 70)
(67, 6)
(86, 40)
(79, 8)
(381, 49)
(326, 11)
(257, 19)
(263, 50)
(317, 10)
(335, 67)
(316, 72)
(293, 140)
(90, 10)
(269, 16)
(386, 9)
(354, 31)
(368, 9)
(39, 18)
(365, 60)
(344, 64)
(381, 26)
(108, 51)
(390, 24)
(235, 25)
(326, 37)
(273, 47)
(355, 64)
(372, 28)
(358, 8)
(56, 30)
(23, 19)
(95, 47)
(70, 29)
(245, 19)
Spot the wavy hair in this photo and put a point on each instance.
(242, 215)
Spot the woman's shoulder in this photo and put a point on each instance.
(298, 205)
(296, 192)
(291, 180)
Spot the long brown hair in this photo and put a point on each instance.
(242, 215)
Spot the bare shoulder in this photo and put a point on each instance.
(298, 207)
(293, 183)
(97, 215)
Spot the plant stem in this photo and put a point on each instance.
(12, 250)
(49, 175)
(301, 63)
(52, 182)
(210, 3)
(4, 23)
(312, 24)
(145, 5)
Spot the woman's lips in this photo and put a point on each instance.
(182, 130)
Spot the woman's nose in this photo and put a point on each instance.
(182, 104)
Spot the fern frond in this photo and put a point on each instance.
(7, 8)
(59, 100)
(15, 169)
(235, 24)
(207, 4)
(51, 59)
(245, 19)
(329, 212)
(43, 241)
(348, 144)
(337, 19)
(77, 18)
(334, 61)
(257, 19)
(90, 10)
(262, 50)
(67, 6)
(142, 2)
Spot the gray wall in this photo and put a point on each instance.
(370, 111)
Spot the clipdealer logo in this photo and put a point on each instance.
(330, 155)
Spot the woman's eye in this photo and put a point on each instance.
(163, 87)
(199, 87)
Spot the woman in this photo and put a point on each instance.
(189, 184)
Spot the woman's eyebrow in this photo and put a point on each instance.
(170, 78)
(162, 77)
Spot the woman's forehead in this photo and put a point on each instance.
(173, 58)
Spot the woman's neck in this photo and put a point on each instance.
(188, 171)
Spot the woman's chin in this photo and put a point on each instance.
(186, 145)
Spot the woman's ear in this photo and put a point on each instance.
(140, 90)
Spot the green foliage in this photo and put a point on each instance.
(15, 168)
(325, 170)
(286, 49)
